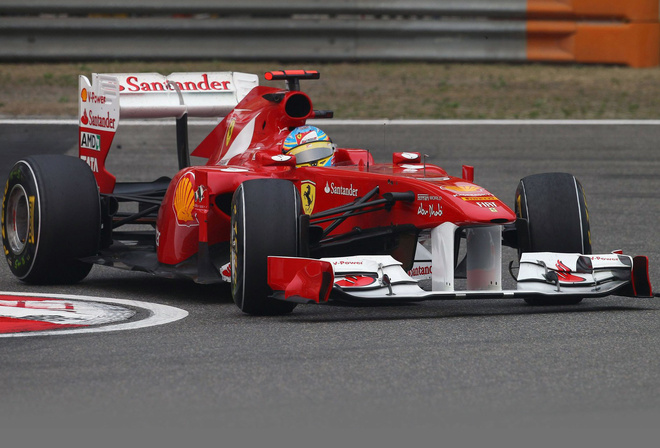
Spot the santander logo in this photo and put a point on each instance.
(151, 84)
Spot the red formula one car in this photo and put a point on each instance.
(286, 216)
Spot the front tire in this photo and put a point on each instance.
(554, 208)
(50, 219)
(264, 222)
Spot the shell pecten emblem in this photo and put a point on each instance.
(463, 188)
(184, 199)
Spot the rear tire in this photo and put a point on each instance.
(50, 219)
(264, 221)
(555, 209)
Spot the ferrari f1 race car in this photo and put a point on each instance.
(286, 216)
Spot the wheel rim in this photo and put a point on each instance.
(235, 259)
(18, 219)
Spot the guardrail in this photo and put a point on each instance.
(582, 31)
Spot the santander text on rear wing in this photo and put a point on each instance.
(109, 97)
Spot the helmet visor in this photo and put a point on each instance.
(311, 152)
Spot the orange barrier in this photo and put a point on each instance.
(594, 31)
(632, 44)
(630, 10)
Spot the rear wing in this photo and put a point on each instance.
(109, 97)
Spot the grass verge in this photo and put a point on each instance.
(386, 90)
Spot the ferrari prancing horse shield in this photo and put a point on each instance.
(308, 195)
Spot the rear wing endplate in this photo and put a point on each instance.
(109, 97)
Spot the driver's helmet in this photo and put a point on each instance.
(310, 145)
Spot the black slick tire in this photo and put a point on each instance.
(50, 219)
(553, 210)
(264, 221)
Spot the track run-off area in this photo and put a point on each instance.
(200, 363)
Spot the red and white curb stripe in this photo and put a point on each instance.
(30, 314)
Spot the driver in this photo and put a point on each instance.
(310, 145)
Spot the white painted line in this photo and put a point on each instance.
(486, 122)
(158, 315)
(37, 121)
(369, 122)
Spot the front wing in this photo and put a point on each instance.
(368, 279)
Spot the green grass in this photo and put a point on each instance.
(386, 90)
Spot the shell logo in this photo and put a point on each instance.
(83, 95)
(184, 199)
(463, 188)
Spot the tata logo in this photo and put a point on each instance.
(90, 141)
(92, 162)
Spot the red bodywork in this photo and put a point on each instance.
(195, 211)
(247, 144)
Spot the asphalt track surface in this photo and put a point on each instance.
(460, 364)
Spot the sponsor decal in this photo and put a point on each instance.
(466, 190)
(23, 314)
(92, 97)
(430, 210)
(331, 188)
(233, 169)
(355, 281)
(31, 238)
(492, 206)
(308, 194)
(225, 272)
(418, 271)
(200, 193)
(184, 200)
(565, 275)
(600, 258)
(230, 130)
(479, 198)
(204, 84)
(90, 141)
(92, 162)
(281, 158)
(98, 121)
(346, 263)
(19, 314)
(463, 188)
(428, 197)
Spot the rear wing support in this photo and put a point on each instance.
(109, 97)
(182, 142)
